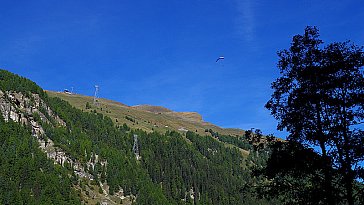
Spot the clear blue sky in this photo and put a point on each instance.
(163, 52)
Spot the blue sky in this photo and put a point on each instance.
(163, 52)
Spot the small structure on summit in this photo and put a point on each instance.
(67, 91)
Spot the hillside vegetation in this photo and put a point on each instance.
(94, 157)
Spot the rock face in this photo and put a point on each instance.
(20, 108)
(32, 111)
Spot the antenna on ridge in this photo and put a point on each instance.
(96, 96)
(136, 148)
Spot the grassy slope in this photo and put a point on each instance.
(144, 119)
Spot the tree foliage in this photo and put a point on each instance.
(319, 100)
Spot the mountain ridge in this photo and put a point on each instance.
(147, 117)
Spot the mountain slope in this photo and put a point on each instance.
(147, 117)
(112, 164)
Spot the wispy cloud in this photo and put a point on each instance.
(245, 22)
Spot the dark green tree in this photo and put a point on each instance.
(248, 134)
(319, 100)
(257, 136)
(88, 106)
(296, 174)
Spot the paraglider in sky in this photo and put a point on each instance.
(220, 58)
